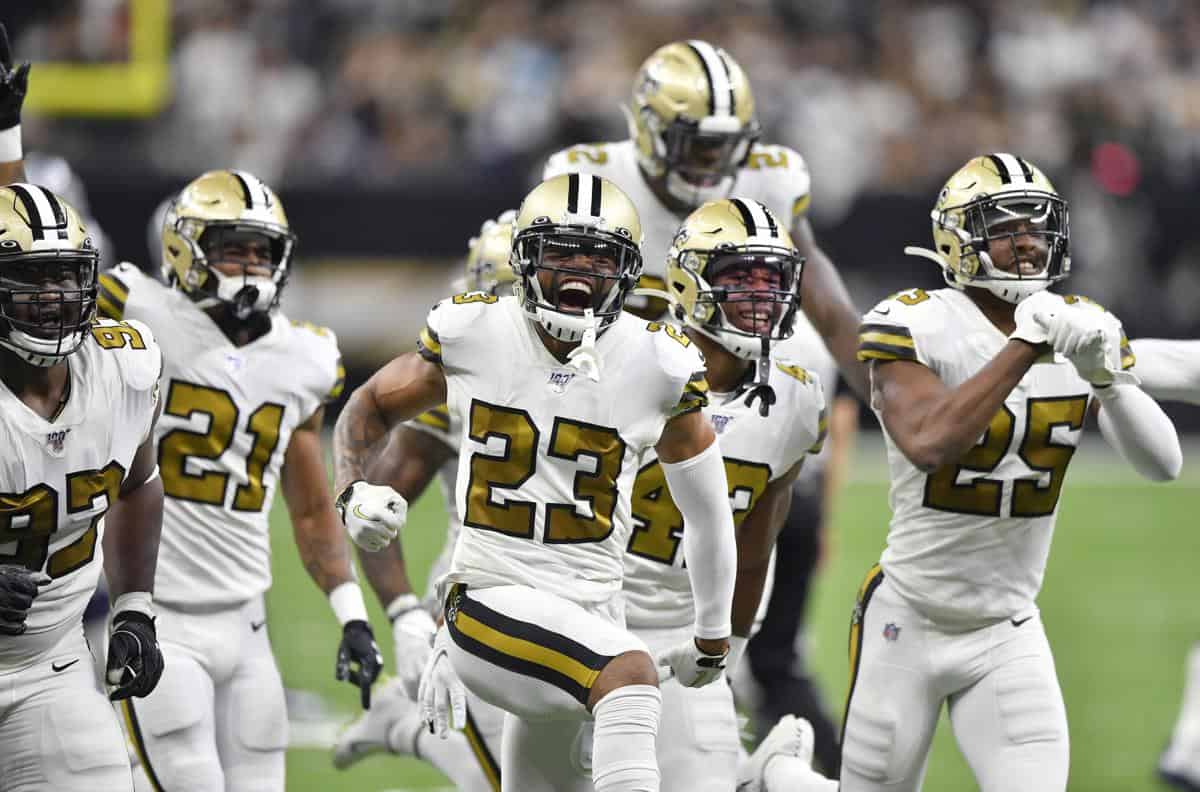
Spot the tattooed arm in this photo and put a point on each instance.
(400, 391)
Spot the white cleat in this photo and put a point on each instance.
(791, 736)
(390, 726)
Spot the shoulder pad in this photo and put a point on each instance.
(113, 289)
(888, 330)
(675, 352)
(789, 185)
(452, 318)
(137, 352)
(584, 157)
(321, 346)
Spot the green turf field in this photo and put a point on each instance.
(1119, 606)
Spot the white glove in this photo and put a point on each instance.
(412, 635)
(1033, 314)
(689, 665)
(373, 514)
(442, 697)
(1097, 356)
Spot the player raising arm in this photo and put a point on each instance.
(982, 390)
(560, 394)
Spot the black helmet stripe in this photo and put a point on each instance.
(573, 193)
(597, 196)
(586, 186)
(246, 196)
(747, 217)
(763, 218)
(45, 212)
(1025, 169)
(1001, 168)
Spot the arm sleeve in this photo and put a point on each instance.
(699, 488)
(1134, 425)
(1169, 369)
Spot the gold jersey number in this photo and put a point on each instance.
(184, 400)
(983, 495)
(517, 464)
(657, 523)
(29, 520)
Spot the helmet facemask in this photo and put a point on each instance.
(574, 278)
(218, 247)
(1013, 245)
(770, 312)
(47, 303)
(701, 159)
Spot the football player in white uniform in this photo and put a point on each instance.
(416, 452)
(982, 390)
(736, 276)
(560, 393)
(693, 137)
(78, 488)
(245, 389)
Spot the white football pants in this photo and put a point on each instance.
(998, 683)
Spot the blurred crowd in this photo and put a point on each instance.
(880, 96)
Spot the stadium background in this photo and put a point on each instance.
(392, 128)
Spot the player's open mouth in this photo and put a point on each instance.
(575, 296)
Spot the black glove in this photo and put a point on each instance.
(18, 587)
(135, 663)
(358, 646)
(13, 84)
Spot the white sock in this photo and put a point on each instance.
(623, 758)
(453, 756)
(789, 774)
(1183, 753)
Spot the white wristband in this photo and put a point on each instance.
(10, 144)
(347, 603)
(401, 605)
(140, 601)
(1105, 393)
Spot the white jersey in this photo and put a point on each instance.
(548, 456)
(807, 348)
(968, 543)
(1168, 368)
(756, 451)
(775, 176)
(228, 416)
(446, 427)
(58, 478)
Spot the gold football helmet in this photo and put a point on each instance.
(577, 251)
(729, 236)
(1000, 205)
(488, 266)
(220, 208)
(692, 119)
(47, 275)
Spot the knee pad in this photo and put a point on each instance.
(81, 744)
(623, 751)
(260, 710)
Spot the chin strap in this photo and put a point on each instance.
(584, 357)
(761, 389)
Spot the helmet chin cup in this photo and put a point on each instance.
(41, 352)
(563, 326)
(740, 346)
(245, 295)
(683, 190)
(1015, 290)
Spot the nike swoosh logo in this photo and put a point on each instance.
(1016, 623)
(883, 311)
(58, 669)
(256, 626)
